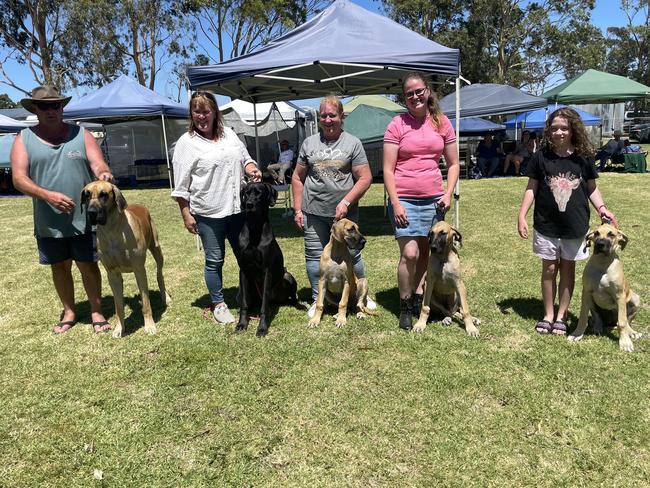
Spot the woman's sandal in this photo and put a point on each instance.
(543, 327)
(559, 328)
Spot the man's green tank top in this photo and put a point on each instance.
(63, 168)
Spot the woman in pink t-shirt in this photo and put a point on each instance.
(413, 144)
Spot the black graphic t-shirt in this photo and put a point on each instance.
(562, 200)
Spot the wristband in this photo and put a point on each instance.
(345, 202)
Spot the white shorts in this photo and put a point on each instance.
(554, 248)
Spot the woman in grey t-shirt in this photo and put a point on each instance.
(331, 176)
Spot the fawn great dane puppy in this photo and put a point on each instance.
(605, 291)
(444, 289)
(337, 283)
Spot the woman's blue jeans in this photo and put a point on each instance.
(213, 233)
(317, 235)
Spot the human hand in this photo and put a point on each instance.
(401, 219)
(190, 224)
(254, 174)
(608, 215)
(106, 176)
(60, 202)
(522, 227)
(299, 219)
(444, 204)
(341, 211)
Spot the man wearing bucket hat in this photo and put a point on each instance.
(613, 147)
(52, 162)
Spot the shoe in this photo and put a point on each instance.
(406, 313)
(222, 314)
(312, 311)
(370, 304)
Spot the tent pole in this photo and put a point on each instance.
(457, 189)
(169, 168)
(257, 140)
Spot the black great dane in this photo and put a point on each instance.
(263, 279)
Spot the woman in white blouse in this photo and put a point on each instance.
(209, 164)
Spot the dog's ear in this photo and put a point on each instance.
(120, 201)
(430, 235)
(273, 195)
(85, 196)
(622, 240)
(589, 238)
(457, 236)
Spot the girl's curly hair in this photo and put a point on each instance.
(579, 137)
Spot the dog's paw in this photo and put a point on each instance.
(476, 321)
(635, 335)
(313, 324)
(262, 331)
(419, 326)
(150, 329)
(447, 321)
(625, 344)
(472, 331)
(117, 332)
(574, 338)
(361, 315)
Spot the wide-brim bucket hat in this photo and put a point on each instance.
(43, 93)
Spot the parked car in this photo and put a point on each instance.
(640, 132)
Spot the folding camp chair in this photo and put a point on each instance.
(284, 197)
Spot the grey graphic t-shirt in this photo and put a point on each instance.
(329, 176)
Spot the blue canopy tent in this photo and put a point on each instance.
(345, 49)
(536, 119)
(126, 99)
(483, 99)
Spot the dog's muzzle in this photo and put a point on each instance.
(97, 217)
(602, 246)
(437, 243)
(357, 243)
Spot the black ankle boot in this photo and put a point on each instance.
(406, 313)
(417, 304)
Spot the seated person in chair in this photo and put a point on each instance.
(488, 152)
(524, 150)
(614, 147)
(278, 169)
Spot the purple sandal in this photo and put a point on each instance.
(543, 327)
(559, 328)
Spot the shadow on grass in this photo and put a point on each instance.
(132, 321)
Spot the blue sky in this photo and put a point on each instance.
(606, 13)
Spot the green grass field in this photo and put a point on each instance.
(369, 405)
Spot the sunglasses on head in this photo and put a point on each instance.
(48, 105)
(414, 93)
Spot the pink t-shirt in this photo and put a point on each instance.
(420, 145)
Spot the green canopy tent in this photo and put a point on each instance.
(594, 86)
(378, 101)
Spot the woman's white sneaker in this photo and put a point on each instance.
(222, 314)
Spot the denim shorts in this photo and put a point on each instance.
(553, 248)
(421, 213)
(82, 248)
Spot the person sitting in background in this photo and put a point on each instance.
(522, 152)
(488, 152)
(614, 147)
(278, 169)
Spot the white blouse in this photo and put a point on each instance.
(209, 174)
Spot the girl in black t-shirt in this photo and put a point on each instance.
(561, 182)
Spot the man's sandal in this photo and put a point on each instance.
(559, 328)
(63, 325)
(101, 326)
(543, 327)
